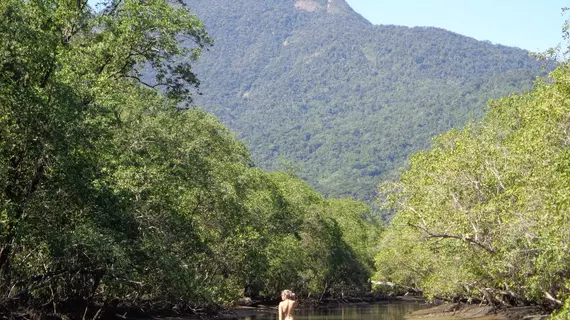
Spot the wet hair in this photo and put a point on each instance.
(288, 294)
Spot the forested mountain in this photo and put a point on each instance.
(314, 84)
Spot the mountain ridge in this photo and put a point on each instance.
(344, 100)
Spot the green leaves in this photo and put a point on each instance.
(66, 81)
(112, 192)
(483, 210)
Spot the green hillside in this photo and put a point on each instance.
(314, 84)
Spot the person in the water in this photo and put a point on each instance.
(287, 306)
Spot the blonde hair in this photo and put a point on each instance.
(288, 294)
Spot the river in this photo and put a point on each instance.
(376, 311)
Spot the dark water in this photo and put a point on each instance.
(380, 311)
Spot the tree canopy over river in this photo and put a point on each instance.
(112, 194)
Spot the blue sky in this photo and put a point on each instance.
(535, 25)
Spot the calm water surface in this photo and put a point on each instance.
(381, 311)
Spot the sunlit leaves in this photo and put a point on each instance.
(484, 212)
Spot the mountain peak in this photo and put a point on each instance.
(337, 6)
(308, 5)
(330, 6)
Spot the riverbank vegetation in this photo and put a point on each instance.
(483, 215)
(115, 192)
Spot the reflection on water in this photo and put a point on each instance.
(383, 311)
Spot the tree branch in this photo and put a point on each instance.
(551, 298)
(450, 236)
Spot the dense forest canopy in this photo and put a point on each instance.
(111, 195)
(483, 214)
(314, 84)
